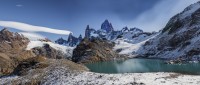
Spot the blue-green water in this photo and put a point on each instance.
(142, 66)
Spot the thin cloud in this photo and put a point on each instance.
(31, 28)
(19, 5)
(156, 18)
(32, 36)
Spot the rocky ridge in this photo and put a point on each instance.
(179, 40)
(71, 41)
(13, 50)
(94, 50)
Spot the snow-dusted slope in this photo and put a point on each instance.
(61, 76)
(67, 50)
(130, 46)
(180, 39)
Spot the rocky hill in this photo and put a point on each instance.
(15, 48)
(12, 50)
(179, 40)
(94, 50)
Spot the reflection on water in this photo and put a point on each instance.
(141, 66)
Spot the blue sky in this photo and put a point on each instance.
(74, 15)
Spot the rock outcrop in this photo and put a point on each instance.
(29, 64)
(12, 50)
(94, 50)
(48, 52)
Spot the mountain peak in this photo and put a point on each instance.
(4, 29)
(107, 26)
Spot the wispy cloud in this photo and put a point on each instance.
(31, 28)
(19, 5)
(157, 17)
(32, 36)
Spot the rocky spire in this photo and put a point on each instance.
(107, 26)
(61, 41)
(87, 31)
(80, 37)
(125, 29)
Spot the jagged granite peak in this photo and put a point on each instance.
(72, 40)
(61, 41)
(107, 26)
(80, 37)
(87, 31)
(90, 32)
(136, 29)
(107, 33)
(125, 29)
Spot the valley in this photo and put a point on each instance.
(107, 56)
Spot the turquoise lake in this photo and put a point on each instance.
(142, 66)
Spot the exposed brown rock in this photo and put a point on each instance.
(94, 50)
(49, 52)
(28, 64)
(12, 50)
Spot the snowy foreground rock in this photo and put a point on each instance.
(64, 72)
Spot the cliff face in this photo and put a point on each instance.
(93, 51)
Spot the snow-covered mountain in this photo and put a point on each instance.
(107, 32)
(180, 38)
(71, 41)
(126, 40)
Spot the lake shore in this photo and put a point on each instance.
(62, 72)
(61, 77)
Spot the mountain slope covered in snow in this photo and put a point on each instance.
(180, 38)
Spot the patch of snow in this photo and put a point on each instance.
(64, 76)
(61, 77)
(131, 48)
(7, 79)
(62, 48)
